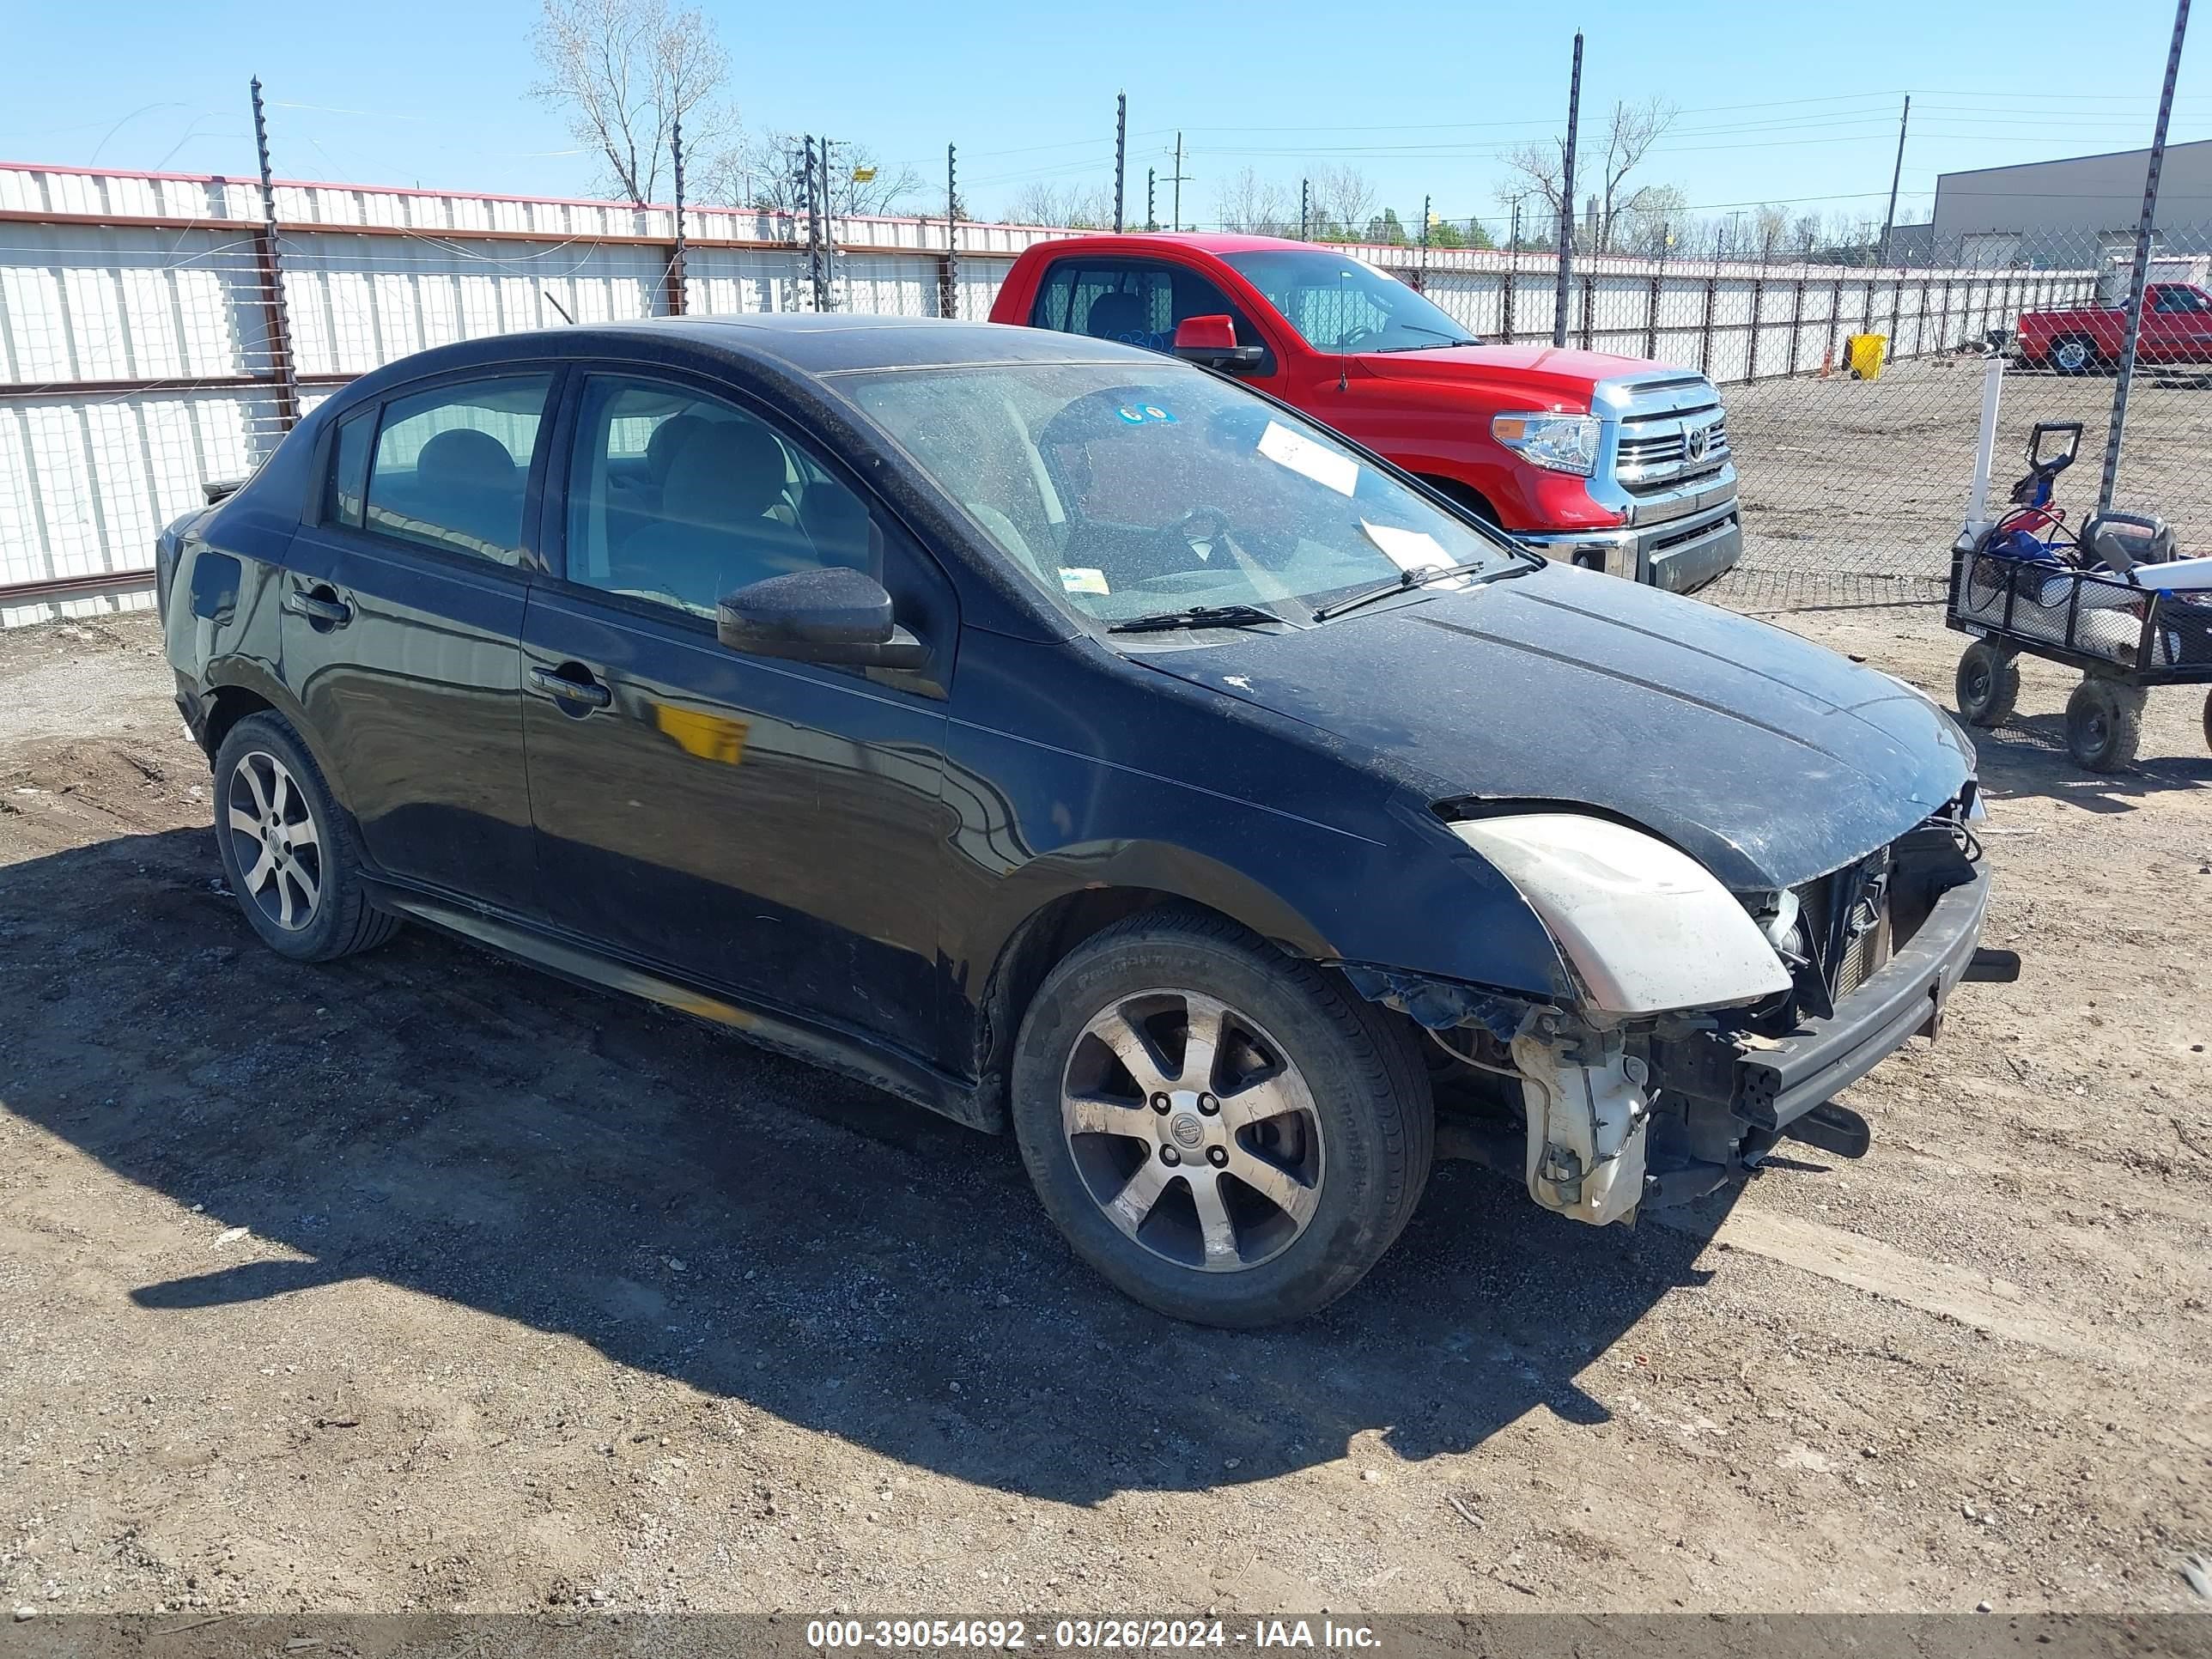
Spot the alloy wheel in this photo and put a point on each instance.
(1193, 1130)
(274, 840)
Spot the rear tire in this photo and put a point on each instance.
(2208, 720)
(1276, 1173)
(288, 852)
(1987, 685)
(2104, 724)
(2076, 354)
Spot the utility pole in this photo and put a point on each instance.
(1121, 153)
(1175, 211)
(1889, 219)
(952, 235)
(675, 265)
(1151, 219)
(1305, 209)
(1567, 199)
(1426, 200)
(817, 199)
(2145, 228)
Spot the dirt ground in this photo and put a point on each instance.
(423, 1281)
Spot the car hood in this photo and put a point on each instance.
(1555, 374)
(1769, 759)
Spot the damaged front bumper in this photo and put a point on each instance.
(1613, 1116)
(1769, 1082)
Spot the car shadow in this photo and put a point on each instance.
(437, 1118)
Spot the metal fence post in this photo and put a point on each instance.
(2139, 275)
(1705, 328)
(1757, 305)
(676, 307)
(1567, 201)
(279, 319)
(1797, 321)
(948, 304)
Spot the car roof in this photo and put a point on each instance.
(824, 343)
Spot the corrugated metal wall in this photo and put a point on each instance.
(139, 356)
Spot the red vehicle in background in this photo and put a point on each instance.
(2177, 328)
(1612, 463)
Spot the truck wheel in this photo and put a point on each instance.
(2208, 720)
(2104, 724)
(288, 851)
(1215, 1127)
(2076, 354)
(1987, 685)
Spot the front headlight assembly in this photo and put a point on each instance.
(1564, 443)
(1645, 928)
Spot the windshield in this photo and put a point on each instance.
(1338, 304)
(1125, 489)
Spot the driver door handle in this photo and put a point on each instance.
(322, 605)
(583, 691)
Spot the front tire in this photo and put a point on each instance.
(2104, 724)
(1216, 1127)
(288, 851)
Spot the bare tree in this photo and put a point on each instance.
(1074, 207)
(1256, 206)
(1538, 167)
(1343, 200)
(767, 170)
(1656, 224)
(624, 72)
(1630, 132)
(1770, 227)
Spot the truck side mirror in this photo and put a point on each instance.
(1212, 343)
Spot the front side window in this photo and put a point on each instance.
(1137, 302)
(452, 466)
(1126, 493)
(2182, 299)
(1338, 304)
(681, 498)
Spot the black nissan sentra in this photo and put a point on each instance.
(1072, 741)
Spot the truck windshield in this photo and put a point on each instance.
(1338, 304)
(1127, 489)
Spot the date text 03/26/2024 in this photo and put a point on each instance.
(1081, 1635)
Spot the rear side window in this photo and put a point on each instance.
(451, 466)
(1137, 302)
(348, 485)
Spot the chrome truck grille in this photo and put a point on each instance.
(1673, 432)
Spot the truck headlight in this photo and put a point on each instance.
(1564, 443)
(1645, 926)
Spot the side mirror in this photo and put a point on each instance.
(1212, 341)
(835, 614)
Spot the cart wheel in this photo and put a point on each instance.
(1987, 685)
(2104, 724)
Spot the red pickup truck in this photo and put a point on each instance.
(1609, 462)
(2177, 328)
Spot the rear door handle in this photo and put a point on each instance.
(588, 692)
(324, 607)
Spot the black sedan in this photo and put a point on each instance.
(1072, 741)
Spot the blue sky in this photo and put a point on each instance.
(1785, 102)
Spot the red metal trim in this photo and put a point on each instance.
(62, 587)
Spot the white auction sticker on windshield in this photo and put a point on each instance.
(1409, 550)
(1081, 578)
(1302, 455)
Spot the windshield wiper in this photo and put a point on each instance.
(1443, 339)
(1406, 583)
(1197, 615)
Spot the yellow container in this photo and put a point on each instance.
(1863, 354)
